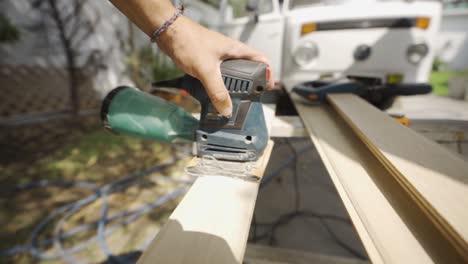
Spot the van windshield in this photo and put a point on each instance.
(239, 6)
(296, 4)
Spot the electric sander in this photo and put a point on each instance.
(242, 137)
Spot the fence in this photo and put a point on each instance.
(35, 110)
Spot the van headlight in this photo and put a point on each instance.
(416, 53)
(305, 54)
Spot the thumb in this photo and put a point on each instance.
(216, 90)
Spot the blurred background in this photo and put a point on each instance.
(59, 58)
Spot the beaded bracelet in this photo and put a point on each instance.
(157, 33)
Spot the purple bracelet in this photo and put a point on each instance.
(157, 33)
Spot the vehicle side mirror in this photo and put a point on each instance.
(252, 7)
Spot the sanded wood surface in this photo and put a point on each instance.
(257, 170)
(436, 179)
(374, 202)
(211, 223)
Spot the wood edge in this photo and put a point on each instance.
(447, 231)
(366, 238)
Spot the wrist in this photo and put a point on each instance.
(170, 36)
(159, 18)
(147, 15)
(168, 23)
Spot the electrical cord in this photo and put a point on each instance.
(297, 196)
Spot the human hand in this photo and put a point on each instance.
(199, 52)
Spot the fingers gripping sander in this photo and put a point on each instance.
(243, 137)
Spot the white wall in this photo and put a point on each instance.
(452, 41)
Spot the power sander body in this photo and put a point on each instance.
(243, 137)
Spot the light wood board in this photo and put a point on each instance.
(211, 224)
(434, 178)
(374, 202)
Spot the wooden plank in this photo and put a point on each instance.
(435, 179)
(375, 202)
(258, 254)
(211, 224)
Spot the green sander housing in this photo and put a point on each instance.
(243, 137)
(129, 111)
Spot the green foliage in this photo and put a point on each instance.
(163, 72)
(160, 66)
(146, 66)
(213, 3)
(8, 32)
(440, 79)
(438, 64)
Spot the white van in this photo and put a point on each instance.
(310, 39)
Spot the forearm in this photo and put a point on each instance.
(194, 49)
(148, 15)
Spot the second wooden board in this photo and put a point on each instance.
(374, 202)
(435, 179)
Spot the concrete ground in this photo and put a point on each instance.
(442, 119)
(431, 107)
(320, 224)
